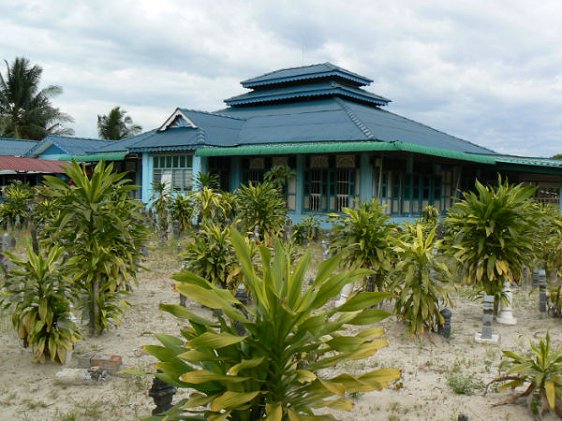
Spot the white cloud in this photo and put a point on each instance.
(489, 72)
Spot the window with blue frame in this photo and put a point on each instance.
(176, 171)
(330, 183)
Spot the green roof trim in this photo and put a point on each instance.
(104, 156)
(342, 147)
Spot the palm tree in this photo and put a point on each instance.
(117, 125)
(25, 110)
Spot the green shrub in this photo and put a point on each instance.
(102, 229)
(307, 230)
(17, 201)
(182, 210)
(38, 292)
(364, 236)
(540, 371)
(261, 205)
(464, 384)
(268, 360)
(419, 281)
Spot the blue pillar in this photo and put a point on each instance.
(198, 165)
(235, 173)
(147, 167)
(299, 187)
(365, 178)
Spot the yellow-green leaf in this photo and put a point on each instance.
(232, 400)
(204, 376)
(254, 362)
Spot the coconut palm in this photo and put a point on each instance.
(25, 109)
(117, 125)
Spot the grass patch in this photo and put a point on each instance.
(463, 384)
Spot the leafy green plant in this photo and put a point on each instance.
(39, 293)
(102, 229)
(211, 256)
(160, 203)
(182, 210)
(463, 384)
(267, 360)
(209, 205)
(208, 180)
(261, 205)
(540, 371)
(18, 197)
(279, 176)
(307, 230)
(554, 301)
(549, 238)
(489, 233)
(364, 235)
(419, 281)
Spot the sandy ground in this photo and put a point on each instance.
(28, 391)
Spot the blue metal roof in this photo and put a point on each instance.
(175, 139)
(68, 145)
(302, 91)
(124, 144)
(315, 71)
(15, 147)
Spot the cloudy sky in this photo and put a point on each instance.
(487, 71)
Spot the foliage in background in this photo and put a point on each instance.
(26, 111)
(117, 125)
(540, 371)
(364, 235)
(17, 201)
(102, 229)
(549, 238)
(211, 256)
(160, 203)
(554, 301)
(267, 360)
(419, 281)
(261, 205)
(39, 293)
(307, 230)
(206, 179)
(489, 232)
(209, 205)
(182, 210)
(279, 176)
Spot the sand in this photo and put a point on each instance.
(29, 391)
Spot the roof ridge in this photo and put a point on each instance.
(213, 113)
(439, 131)
(355, 119)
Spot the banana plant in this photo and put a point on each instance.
(420, 281)
(268, 360)
(39, 292)
(540, 371)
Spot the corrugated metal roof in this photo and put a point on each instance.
(180, 138)
(69, 145)
(15, 147)
(11, 165)
(301, 91)
(314, 71)
(532, 161)
(124, 144)
(343, 147)
(95, 157)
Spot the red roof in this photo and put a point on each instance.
(35, 165)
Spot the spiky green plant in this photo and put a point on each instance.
(211, 256)
(549, 238)
(102, 229)
(39, 292)
(307, 230)
(206, 179)
(279, 176)
(490, 234)
(261, 205)
(209, 205)
(160, 203)
(364, 235)
(267, 361)
(182, 210)
(540, 371)
(420, 281)
(18, 198)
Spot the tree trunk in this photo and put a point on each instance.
(94, 323)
